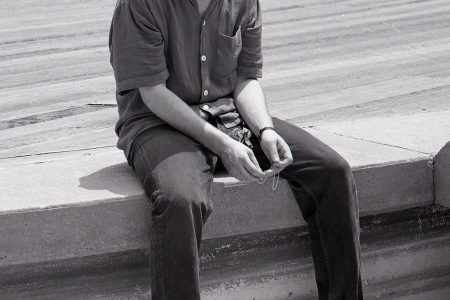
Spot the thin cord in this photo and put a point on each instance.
(276, 180)
(261, 180)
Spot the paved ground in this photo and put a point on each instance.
(325, 61)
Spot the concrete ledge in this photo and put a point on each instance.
(442, 176)
(406, 246)
(89, 202)
(402, 253)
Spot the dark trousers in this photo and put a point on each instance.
(177, 173)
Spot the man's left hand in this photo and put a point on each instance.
(276, 150)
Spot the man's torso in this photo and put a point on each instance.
(201, 43)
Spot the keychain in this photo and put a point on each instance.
(276, 179)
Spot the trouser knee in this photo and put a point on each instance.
(338, 182)
(337, 169)
(189, 204)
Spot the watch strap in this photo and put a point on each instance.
(264, 129)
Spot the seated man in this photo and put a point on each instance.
(172, 56)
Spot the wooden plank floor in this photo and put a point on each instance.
(325, 61)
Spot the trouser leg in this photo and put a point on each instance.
(323, 185)
(176, 173)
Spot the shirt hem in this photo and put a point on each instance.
(126, 85)
(255, 72)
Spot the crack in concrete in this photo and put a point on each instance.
(56, 152)
(374, 142)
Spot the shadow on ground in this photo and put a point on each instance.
(115, 178)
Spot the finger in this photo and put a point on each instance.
(285, 152)
(273, 155)
(238, 171)
(270, 172)
(244, 173)
(283, 164)
(251, 168)
(233, 170)
(253, 159)
(275, 169)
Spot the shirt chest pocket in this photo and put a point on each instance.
(229, 48)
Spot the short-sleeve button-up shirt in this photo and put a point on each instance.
(199, 58)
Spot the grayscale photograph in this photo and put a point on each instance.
(224, 150)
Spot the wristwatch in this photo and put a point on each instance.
(264, 129)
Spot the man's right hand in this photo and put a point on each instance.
(240, 162)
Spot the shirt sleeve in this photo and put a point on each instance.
(136, 47)
(250, 60)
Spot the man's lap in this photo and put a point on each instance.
(170, 158)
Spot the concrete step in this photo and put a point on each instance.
(76, 204)
(405, 256)
(89, 202)
(410, 244)
(85, 203)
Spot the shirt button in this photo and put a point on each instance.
(203, 57)
(205, 107)
(204, 23)
(205, 93)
